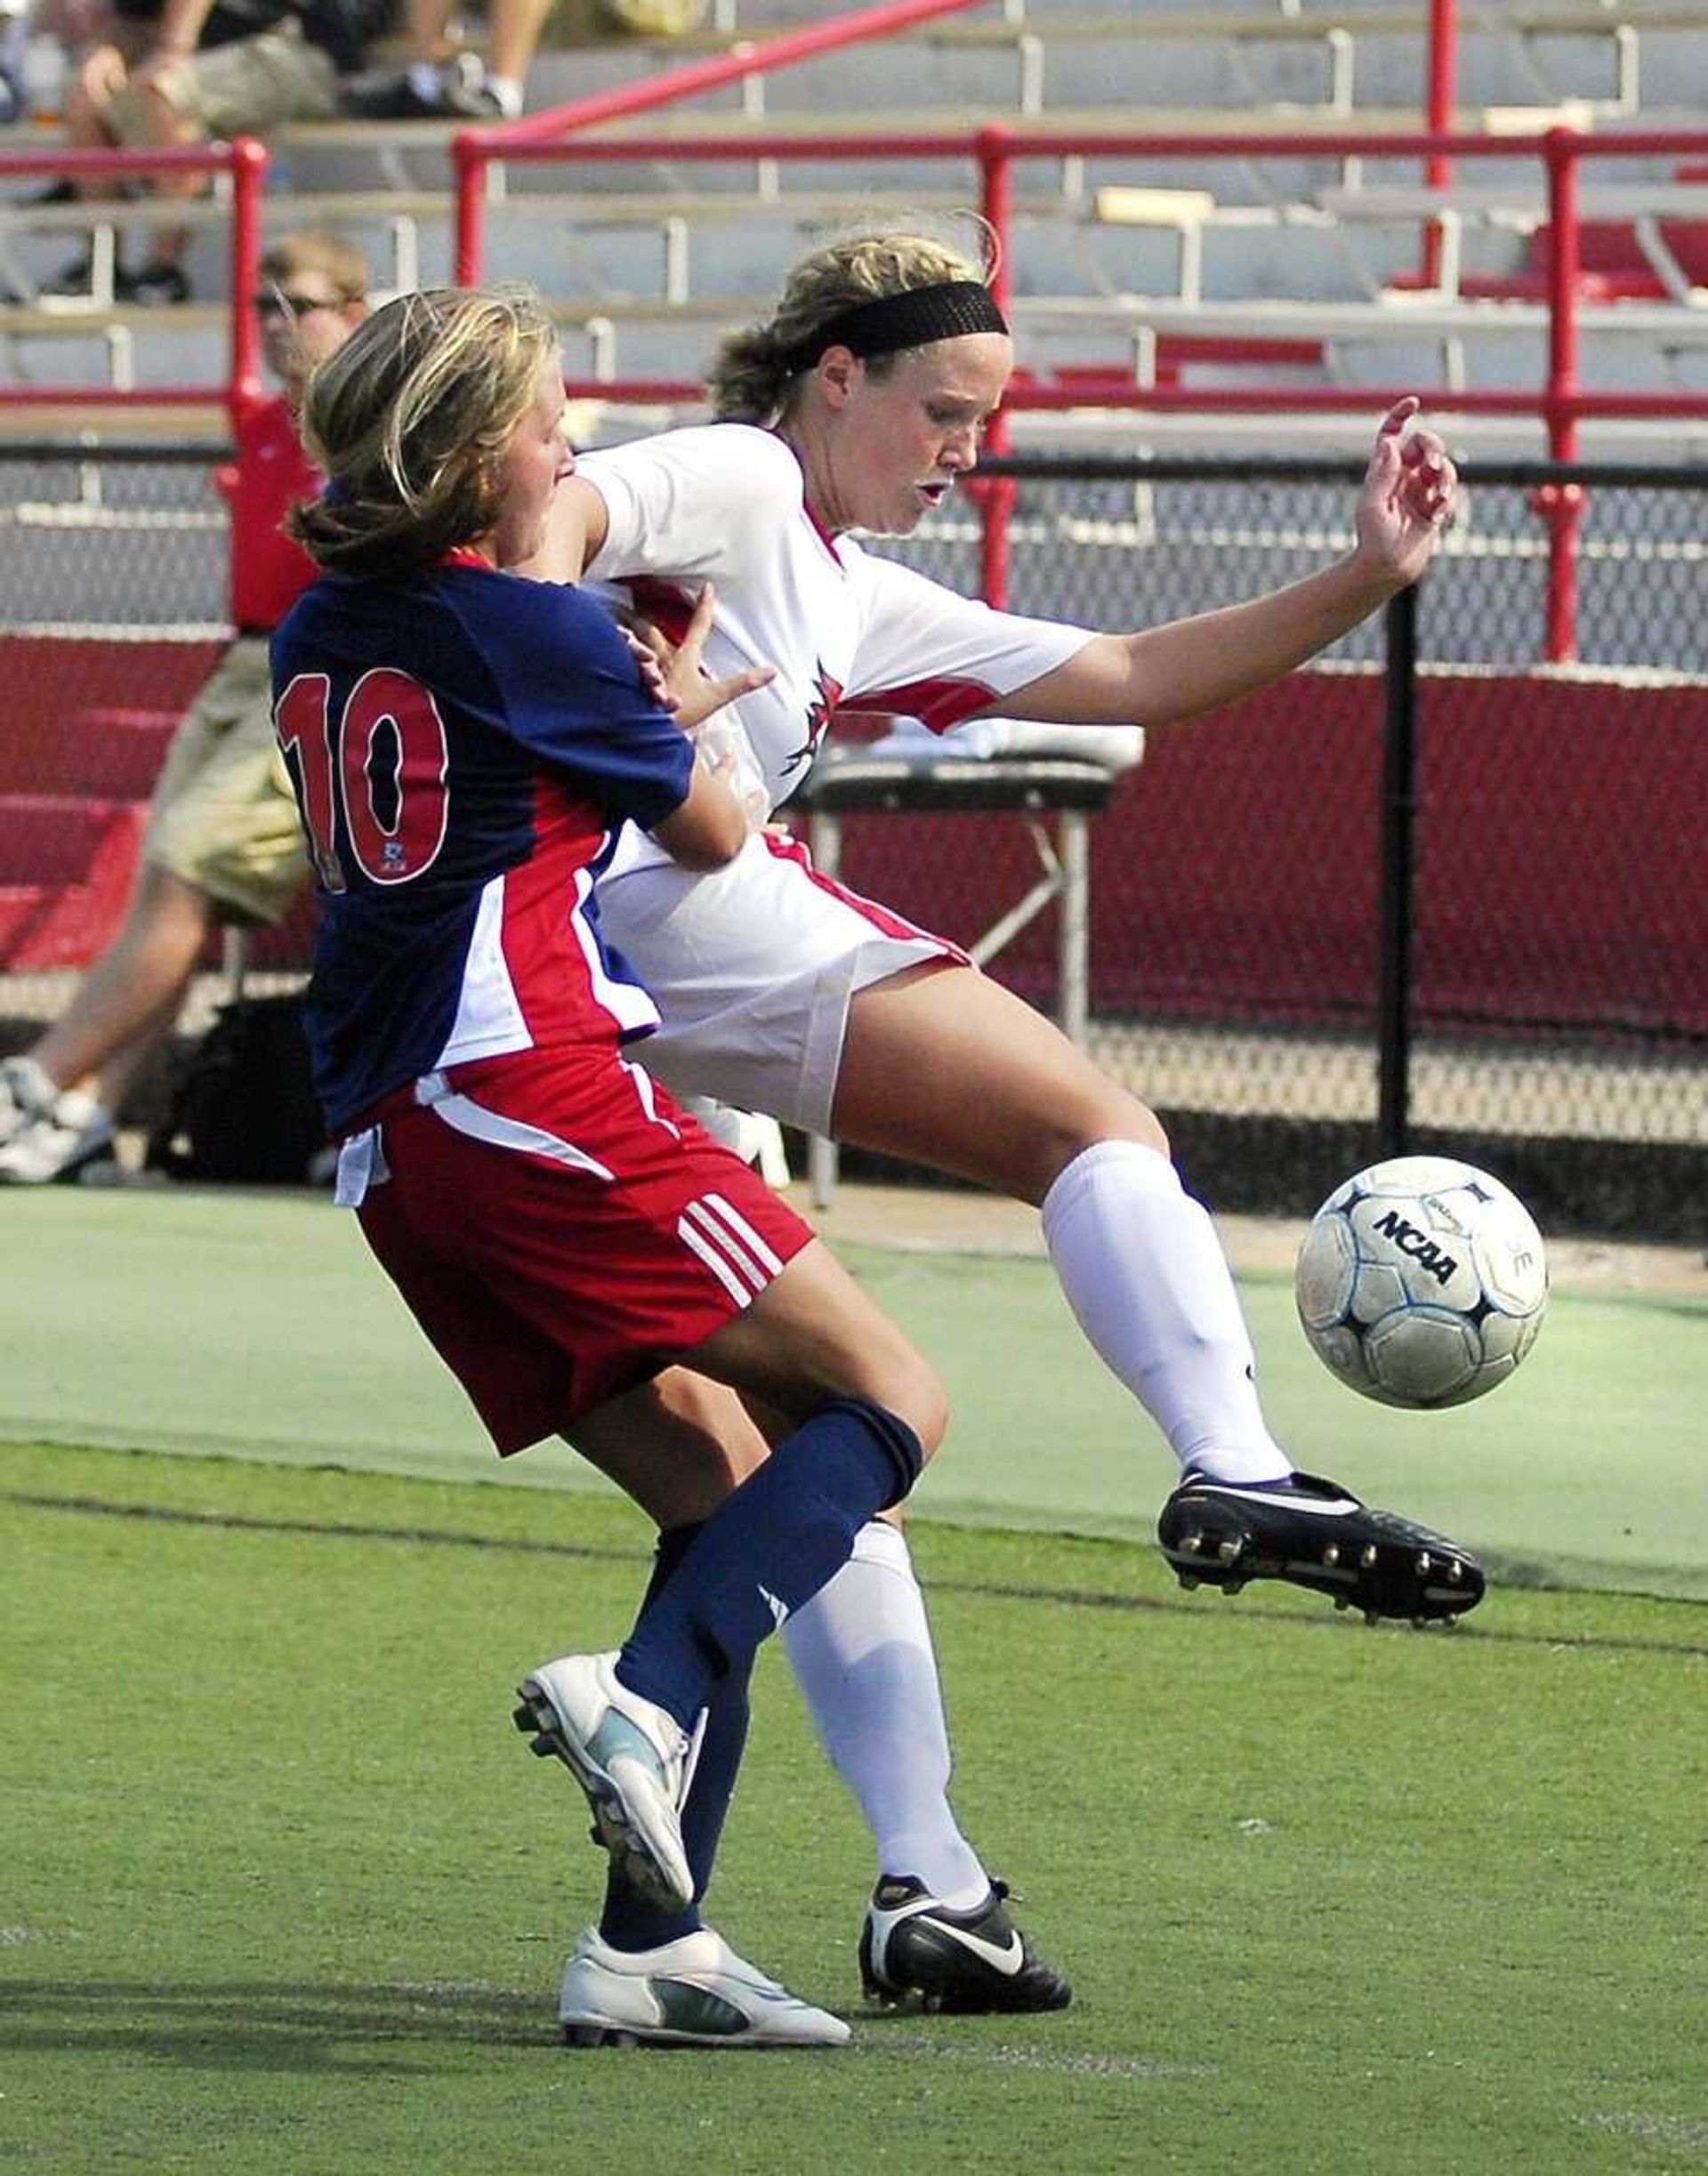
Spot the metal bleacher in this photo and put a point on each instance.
(1289, 267)
(1119, 267)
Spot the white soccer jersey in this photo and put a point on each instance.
(724, 503)
(753, 966)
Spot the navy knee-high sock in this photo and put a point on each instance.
(768, 1548)
(629, 1920)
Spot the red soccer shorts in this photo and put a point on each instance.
(562, 1231)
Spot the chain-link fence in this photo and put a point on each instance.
(1555, 1010)
(1557, 991)
(113, 587)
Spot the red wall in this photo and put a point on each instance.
(1561, 874)
(1559, 859)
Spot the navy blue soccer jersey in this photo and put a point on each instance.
(465, 746)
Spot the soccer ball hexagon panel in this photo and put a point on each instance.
(1422, 1282)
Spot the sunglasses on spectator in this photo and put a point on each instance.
(270, 301)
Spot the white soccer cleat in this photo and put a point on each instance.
(27, 1094)
(57, 1142)
(694, 1992)
(630, 1756)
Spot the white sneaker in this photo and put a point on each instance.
(694, 1992)
(57, 1143)
(26, 1095)
(631, 1758)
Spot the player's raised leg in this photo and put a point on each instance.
(1142, 1269)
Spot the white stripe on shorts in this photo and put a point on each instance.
(697, 1243)
(714, 1212)
(642, 1082)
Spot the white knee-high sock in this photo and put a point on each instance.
(1144, 1271)
(862, 1651)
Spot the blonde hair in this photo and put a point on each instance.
(753, 374)
(310, 251)
(410, 420)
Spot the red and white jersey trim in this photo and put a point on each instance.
(513, 978)
(489, 1018)
(465, 1116)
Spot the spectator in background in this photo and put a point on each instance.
(162, 75)
(444, 82)
(222, 843)
(15, 37)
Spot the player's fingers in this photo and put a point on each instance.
(699, 622)
(1387, 455)
(1445, 492)
(1431, 478)
(638, 631)
(650, 661)
(730, 690)
(647, 647)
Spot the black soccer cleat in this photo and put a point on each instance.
(1309, 1532)
(967, 1963)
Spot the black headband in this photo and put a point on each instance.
(913, 318)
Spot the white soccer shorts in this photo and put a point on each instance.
(752, 967)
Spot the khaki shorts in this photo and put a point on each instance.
(223, 816)
(245, 88)
(582, 22)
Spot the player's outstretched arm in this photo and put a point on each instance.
(1163, 675)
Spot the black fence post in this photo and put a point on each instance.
(1398, 801)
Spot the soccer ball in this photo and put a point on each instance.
(1422, 1282)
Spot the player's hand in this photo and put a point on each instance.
(697, 693)
(650, 652)
(677, 679)
(1408, 497)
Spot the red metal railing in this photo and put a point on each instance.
(246, 162)
(555, 137)
(1561, 402)
(475, 151)
(1439, 99)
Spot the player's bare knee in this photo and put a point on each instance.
(915, 1392)
(1116, 1115)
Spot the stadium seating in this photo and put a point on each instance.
(1126, 273)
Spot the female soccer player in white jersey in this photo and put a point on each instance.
(463, 744)
(858, 404)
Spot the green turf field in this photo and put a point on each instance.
(283, 1891)
(257, 1325)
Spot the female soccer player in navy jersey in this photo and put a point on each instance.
(858, 404)
(465, 746)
